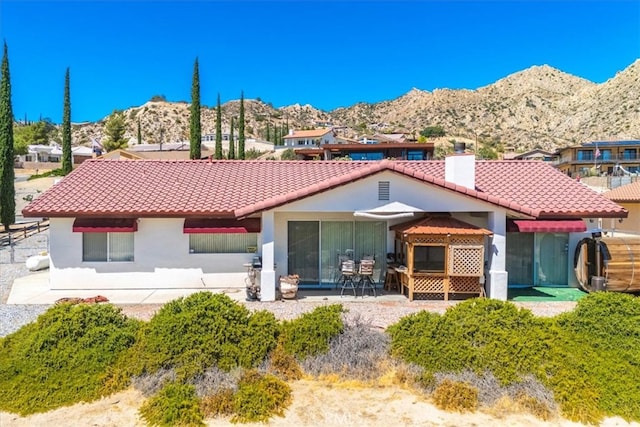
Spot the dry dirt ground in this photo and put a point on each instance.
(314, 404)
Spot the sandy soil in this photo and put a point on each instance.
(29, 189)
(314, 404)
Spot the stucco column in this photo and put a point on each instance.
(268, 274)
(497, 280)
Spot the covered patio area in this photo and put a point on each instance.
(439, 256)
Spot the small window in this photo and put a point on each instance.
(223, 243)
(107, 247)
(428, 258)
(383, 190)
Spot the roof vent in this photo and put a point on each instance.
(383, 190)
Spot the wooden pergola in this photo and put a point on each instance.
(440, 255)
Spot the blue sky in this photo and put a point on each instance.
(324, 53)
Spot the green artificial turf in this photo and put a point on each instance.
(539, 293)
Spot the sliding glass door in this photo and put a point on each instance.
(315, 247)
(303, 244)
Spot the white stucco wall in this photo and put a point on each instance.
(161, 260)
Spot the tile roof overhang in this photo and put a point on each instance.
(625, 193)
(439, 224)
(240, 189)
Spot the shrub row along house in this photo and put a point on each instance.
(454, 224)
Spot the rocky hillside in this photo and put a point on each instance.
(539, 107)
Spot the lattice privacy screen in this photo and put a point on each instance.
(466, 260)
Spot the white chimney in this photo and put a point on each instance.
(460, 168)
(291, 131)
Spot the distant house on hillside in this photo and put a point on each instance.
(309, 138)
(605, 157)
(50, 156)
(536, 154)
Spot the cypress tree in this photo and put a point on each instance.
(7, 174)
(218, 152)
(267, 137)
(232, 144)
(195, 131)
(139, 133)
(241, 128)
(67, 165)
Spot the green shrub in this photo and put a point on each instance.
(309, 334)
(203, 330)
(597, 350)
(174, 405)
(259, 397)
(587, 359)
(455, 396)
(477, 334)
(63, 357)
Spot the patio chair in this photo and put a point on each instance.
(366, 273)
(348, 270)
(338, 278)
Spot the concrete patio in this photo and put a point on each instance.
(34, 289)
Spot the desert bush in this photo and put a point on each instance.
(260, 397)
(205, 329)
(309, 334)
(63, 357)
(596, 358)
(151, 383)
(538, 408)
(217, 404)
(490, 390)
(455, 396)
(357, 353)
(587, 360)
(214, 380)
(477, 334)
(174, 405)
(284, 364)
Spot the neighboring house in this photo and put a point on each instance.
(605, 157)
(627, 196)
(195, 224)
(309, 138)
(370, 151)
(50, 156)
(536, 154)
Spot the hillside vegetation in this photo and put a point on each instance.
(208, 356)
(539, 107)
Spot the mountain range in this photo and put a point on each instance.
(540, 107)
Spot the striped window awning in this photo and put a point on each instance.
(105, 225)
(221, 225)
(546, 226)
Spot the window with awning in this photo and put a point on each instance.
(105, 225)
(546, 226)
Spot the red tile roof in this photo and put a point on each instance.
(160, 188)
(439, 224)
(314, 133)
(624, 193)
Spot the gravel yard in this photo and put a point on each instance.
(379, 313)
